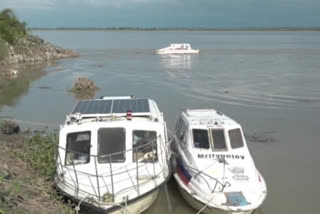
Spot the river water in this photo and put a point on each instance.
(267, 81)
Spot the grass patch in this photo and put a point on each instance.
(40, 153)
(30, 160)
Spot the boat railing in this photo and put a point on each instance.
(159, 158)
(205, 177)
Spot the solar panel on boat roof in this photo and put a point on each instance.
(111, 106)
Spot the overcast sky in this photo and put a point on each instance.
(167, 13)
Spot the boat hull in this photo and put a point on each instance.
(134, 206)
(140, 205)
(178, 52)
(198, 205)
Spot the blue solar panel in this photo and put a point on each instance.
(111, 106)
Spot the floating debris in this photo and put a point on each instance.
(261, 137)
(84, 88)
(43, 87)
(83, 84)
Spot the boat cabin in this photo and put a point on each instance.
(180, 46)
(214, 166)
(113, 149)
(207, 129)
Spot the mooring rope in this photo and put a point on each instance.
(205, 206)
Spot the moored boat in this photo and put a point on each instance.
(113, 154)
(215, 172)
(177, 48)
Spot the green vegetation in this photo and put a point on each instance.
(11, 29)
(28, 162)
(40, 153)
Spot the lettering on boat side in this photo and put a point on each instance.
(240, 177)
(236, 170)
(238, 173)
(241, 157)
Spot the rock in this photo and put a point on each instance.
(9, 127)
(35, 39)
(4, 172)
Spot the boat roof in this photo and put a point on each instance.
(114, 107)
(173, 44)
(208, 118)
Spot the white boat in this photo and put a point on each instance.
(215, 172)
(177, 48)
(113, 154)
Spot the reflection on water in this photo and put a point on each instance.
(85, 95)
(176, 62)
(11, 89)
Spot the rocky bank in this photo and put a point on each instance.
(31, 49)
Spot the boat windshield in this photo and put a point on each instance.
(219, 142)
(111, 141)
(78, 148)
(200, 138)
(235, 138)
(144, 146)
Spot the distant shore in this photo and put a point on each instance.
(177, 29)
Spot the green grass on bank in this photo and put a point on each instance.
(40, 152)
(28, 163)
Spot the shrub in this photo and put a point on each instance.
(40, 152)
(11, 29)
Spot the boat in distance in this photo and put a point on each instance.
(215, 172)
(177, 48)
(113, 154)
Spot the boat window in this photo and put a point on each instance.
(182, 132)
(78, 148)
(144, 146)
(200, 138)
(235, 138)
(219, 142)
(111, 141)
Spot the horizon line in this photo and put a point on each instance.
(182, 28)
